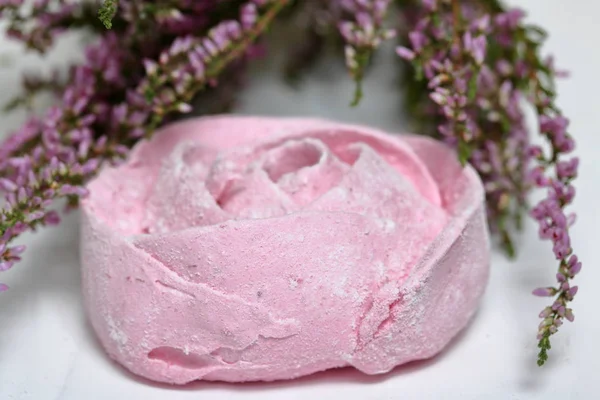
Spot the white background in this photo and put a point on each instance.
(47, 350)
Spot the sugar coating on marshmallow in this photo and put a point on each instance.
(244, 248)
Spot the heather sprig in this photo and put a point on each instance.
(472, 102)
(479, 64)
(33, 84)
(191, 64)
(363, 35)
(555, 174)
(54, 158)
(535, 79)
(449, 52)
(39, 25)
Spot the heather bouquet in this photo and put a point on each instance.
(470, 70)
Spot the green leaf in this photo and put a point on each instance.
(508, 245)
(358, 93)
(149, 94)
(506, 126)
(15, 103)
(107, 11)
(418, 71)
(544, 346)
(537, 34)
(472, 86)
(464, 152)
(542, 357)
(362, 59)
(519, 221)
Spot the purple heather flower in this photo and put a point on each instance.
(150, 66)
(220, 37)
(429, 4)
(546, 230)
(540, 211)
(365, 33)
(17, 250)
(544, 292)
(509, 19)
(210, 47)
(478, 49)
(537, 175)
(553, 125)
(234, 30)
(475, 46)
(504, 67)
(439, 98)
(52, 218)
(184, 108)
(197, 65)
(8, 185)
(535, 152)
(573, 260)
(249, 16)
(438, 80)
(569, 315)
(6, 265)
(417, 40)
(558, 192)
(567, 169)
(481, 24)
(561, 247)
(405, 53)
(563, 143)
(546, 312)
(346, 29)
(365, 23)
(8, 3)
(574, 270)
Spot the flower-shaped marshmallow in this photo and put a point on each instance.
(239, 248)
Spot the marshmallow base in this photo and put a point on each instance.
(282, 294)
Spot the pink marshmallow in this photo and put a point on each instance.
(243, 249)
